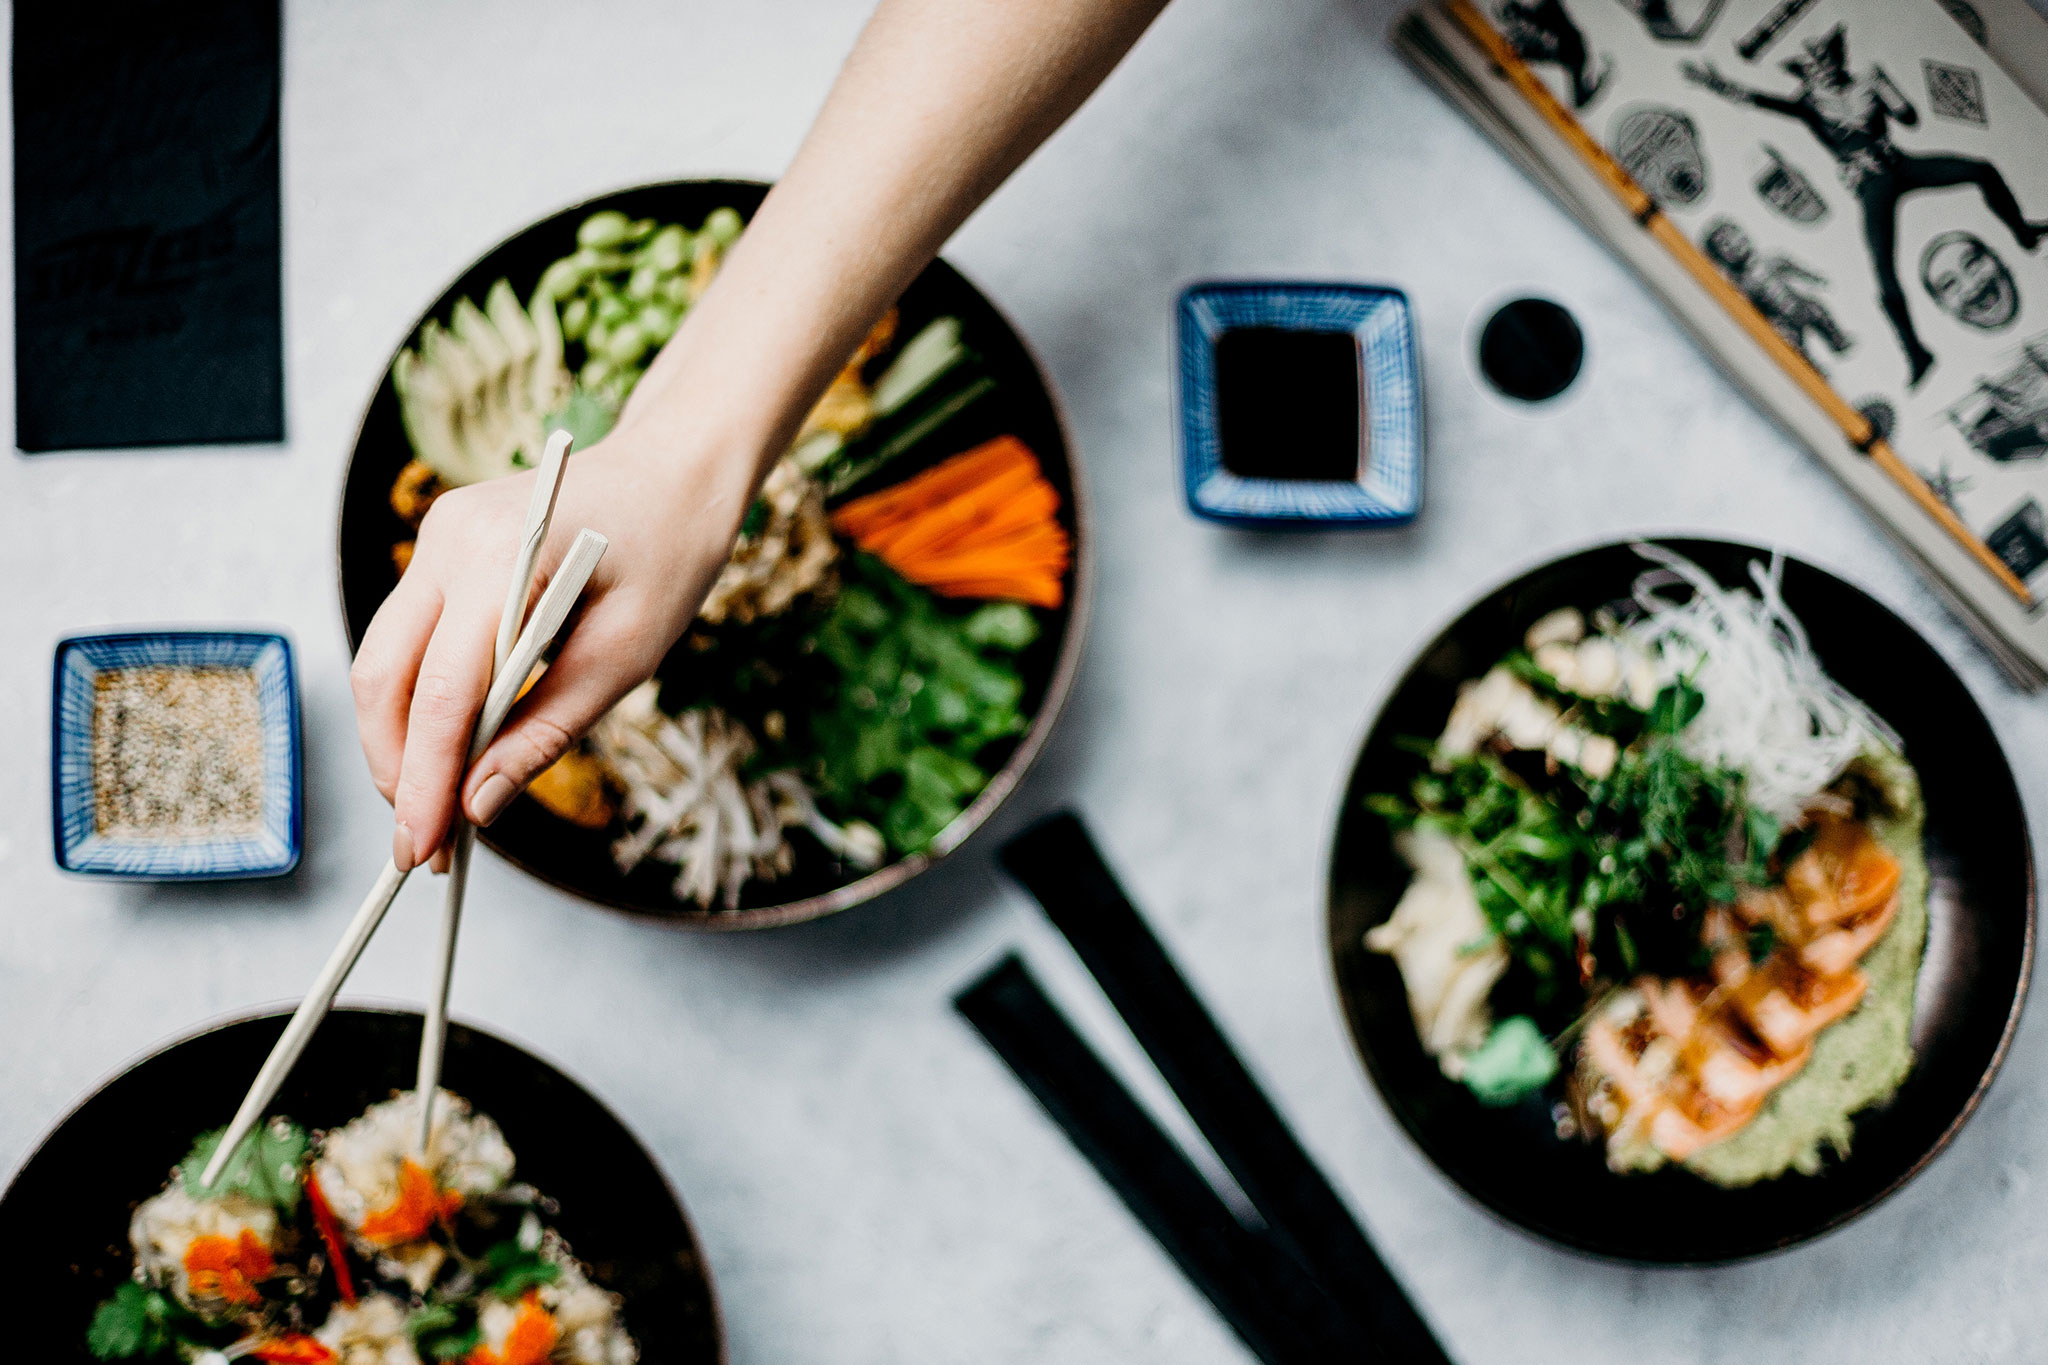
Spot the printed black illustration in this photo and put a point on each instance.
(1966, 15)
(2021, 540)
(1770, 26)
(1786, 189)
(1661, 18)
(1954, 91)
(1541, 31)
(2006, 415)
(1781, 289)
(1852, 115)
(1882, 416)
(1661, 148)
(1947, 485)
(1967, 281)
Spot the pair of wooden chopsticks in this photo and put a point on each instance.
(517, 653)
(1305, 1288)
(1642, 206)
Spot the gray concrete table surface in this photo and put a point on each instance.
(871, 1185)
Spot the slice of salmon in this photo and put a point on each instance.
(1788, 1006)
(1841, 948)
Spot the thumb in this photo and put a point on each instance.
(577, 689)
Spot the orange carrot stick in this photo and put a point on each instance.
(984, 523)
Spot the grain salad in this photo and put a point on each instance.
(177, 753)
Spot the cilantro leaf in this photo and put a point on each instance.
(1675, 707)
(514, 1270)
(267, 1167)
(136, 1323)
(442, 1331)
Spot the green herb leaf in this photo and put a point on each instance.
(757, 518)
(921, 688)
(136, 1323)
(514, 1270)
(268, 1167)
(1625, 944)
(1004, 625)
(444, 1331)
(1762, 939)
(1644, 851)
(586, 417)
(1675, 708)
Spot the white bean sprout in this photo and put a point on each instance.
(688, 805)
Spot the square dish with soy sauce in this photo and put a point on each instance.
(1299, 404)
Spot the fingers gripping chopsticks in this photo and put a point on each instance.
(517, 653)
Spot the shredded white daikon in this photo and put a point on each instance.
(1769, 710)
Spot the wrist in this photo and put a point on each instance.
(699, 481)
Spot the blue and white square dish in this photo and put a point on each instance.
(271, 851)
(1388, 491)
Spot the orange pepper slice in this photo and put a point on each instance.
(228, 1268)
(418, 1207)
(531, 1341)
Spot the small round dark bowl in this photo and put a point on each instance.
(64, 1219)
(1022, 404)
(1972, 982)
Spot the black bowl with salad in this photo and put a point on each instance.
(1681, 903)
(533, 1226)
(888, 647)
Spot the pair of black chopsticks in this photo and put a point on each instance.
(1307, 1286)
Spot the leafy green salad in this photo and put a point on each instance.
(855, 671)
(1661, 853)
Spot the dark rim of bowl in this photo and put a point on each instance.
(1420, 648)
(376, 1005)
(1000, 785)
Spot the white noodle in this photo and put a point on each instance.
(1769, 710)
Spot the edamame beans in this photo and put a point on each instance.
(575, 319)
(626, 345)
(603, 229)
(669, 249)
(623, 292)
(724, 226)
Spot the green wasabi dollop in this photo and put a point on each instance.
(1514, 1061)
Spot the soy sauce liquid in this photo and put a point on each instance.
(1290, 405)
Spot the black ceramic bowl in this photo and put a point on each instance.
(1022, 404)
(1979, 947)
(64, 1219)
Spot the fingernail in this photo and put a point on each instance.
(438, 864)
(401, 847)
(495, 793)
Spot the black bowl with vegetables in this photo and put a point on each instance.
(895, 636)
(1512, 1133)
(64, 1220)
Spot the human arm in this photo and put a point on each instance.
(1704, 73)
(940, 101)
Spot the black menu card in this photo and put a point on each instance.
(147, 266)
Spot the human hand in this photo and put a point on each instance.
(670, 510)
